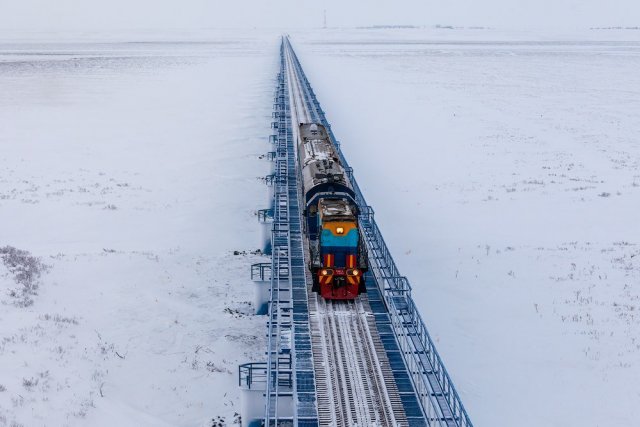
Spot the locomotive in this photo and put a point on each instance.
(337, 253)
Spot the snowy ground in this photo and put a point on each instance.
(131, 171)
(503, 168)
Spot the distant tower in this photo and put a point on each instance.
(325, 19)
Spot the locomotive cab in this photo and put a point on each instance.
(340, 274)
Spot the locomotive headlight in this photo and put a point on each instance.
(356, 272)
(324, 272)
(340, 230)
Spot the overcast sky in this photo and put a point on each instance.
(193, 14)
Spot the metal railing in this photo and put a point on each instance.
(261, 271)
(265, 215)
(279, 267)
(254, 375)
(287, 324)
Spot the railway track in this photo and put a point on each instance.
(354, 382)
(355, 385)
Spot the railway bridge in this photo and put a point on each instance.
(368, 362)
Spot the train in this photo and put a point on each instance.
(338, 259)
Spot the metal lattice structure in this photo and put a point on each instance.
(288, 322)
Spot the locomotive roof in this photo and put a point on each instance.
(336, 209)
(317, 145)
(312, 131)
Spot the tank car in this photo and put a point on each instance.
(337, 254)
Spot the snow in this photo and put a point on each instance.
(504, 172)
(132, 171)
(502, 166)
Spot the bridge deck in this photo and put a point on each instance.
(371, 362)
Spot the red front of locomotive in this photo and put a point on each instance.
(339, 277)
(340, 282)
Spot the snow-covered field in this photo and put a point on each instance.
(131, 171)
(503, 168)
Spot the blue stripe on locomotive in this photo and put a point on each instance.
(328, 239)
